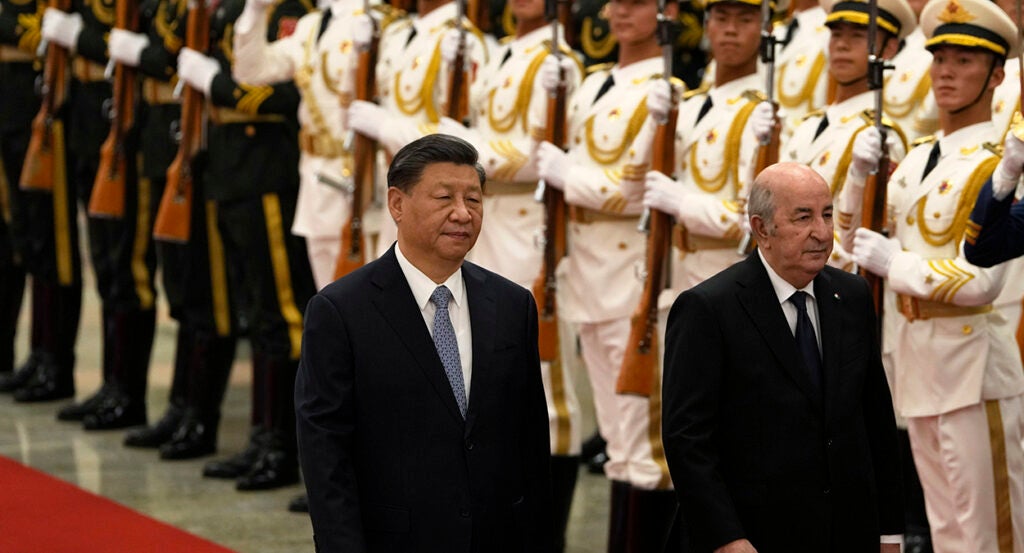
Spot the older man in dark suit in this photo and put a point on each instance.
(421, 413)
(779, 427)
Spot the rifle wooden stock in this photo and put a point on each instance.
(353, 252)
(43, 151)
(458, 86)
(545, 287)
(174, 216)
(108, 191)
(873, 216)
(640, 363)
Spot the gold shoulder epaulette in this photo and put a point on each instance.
(815, 113)
(509, 38)
(600, 67)
(755, 96)
(388, 14)
(923, 140)
(996, 149)
(702, 89)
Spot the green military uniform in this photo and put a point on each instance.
(19, 37)
(252, 177)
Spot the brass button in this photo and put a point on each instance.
(622, 245)
(968, 329)
(523, 212)
(250, 131)
(910, 220)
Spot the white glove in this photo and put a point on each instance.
(126, 47)
(251, 14)
(197, 70)
(551, 71)
(762, 121)
(867, 149)
(659, 99)
(552, 165)
(1007, 173)
(61, 28)
(874, 252)
(362, 31)
(447, 125)
(450, 46)
(367, 118)
(663, 193)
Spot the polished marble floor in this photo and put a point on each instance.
(175, 492)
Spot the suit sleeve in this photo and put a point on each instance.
(881, 427)
(537, 441)
(694, 362)
(325, 417)
(995, 229)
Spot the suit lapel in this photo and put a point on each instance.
(830, 324)
(398, 306)
(483, 316)
(762, 306)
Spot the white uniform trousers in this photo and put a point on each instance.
(323, 258)
(630, 424)
(972, 470)
(560, 392)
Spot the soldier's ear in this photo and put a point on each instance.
(671, 9)
(998, 74)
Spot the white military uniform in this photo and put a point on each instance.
(509, 107)
(906, 87)
(715, 160)
(323, 68)
(599, 276)
(957, 373)
(412, 81)
(801, 70)
(831, 152)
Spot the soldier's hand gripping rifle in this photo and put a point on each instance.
(458, 77)
(768, 152)
(44, 158)
(554, 242)
(107, 199)
(174, 217)
(874, 211)
(364, 163)
(640, 363)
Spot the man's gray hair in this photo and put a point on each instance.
(761, 201)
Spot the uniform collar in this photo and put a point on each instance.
(426, 24)
(851, 107)
(735, 88)
(967, 137)
(642, 70)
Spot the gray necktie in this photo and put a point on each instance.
(447, 346)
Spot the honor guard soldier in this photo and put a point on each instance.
(19, 39)
(321, 57)
(801, 69)
(252, 183)
(909, 83)
(204, 349)
(957, 375)
(412, 80)
(825, 138)
(507, 115)
(598, 280)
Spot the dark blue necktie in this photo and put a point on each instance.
(806, 340)
(704, 109)
(933, 160)
(605, 87)
(447, 346)
(821, 127)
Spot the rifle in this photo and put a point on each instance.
(640, 363)
(545, 286)
(458, 78)
(46, 146)
(353, 253)
(768, 152)
(107, 199)
(873, 215)
(174, 217)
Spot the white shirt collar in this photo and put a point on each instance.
(423, 287)
(435, 19)
(783, 289)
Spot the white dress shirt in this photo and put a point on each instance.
(458, 309)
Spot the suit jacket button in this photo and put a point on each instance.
(828, 442)
(469, 444)
(464, 513)
(827, 491)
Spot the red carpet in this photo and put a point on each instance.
(41, 514)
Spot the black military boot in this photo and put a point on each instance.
(649, 519)
(209, 368)
(77, 411)
(59, 312)
(12, 291)
(299, 504)
(131, 338)
(10, 382)
(155, 435)
(278, 464)
(564, 471)
(617, 514)
(241, 462)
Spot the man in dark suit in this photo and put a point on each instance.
(422, 422)
(772, 445)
